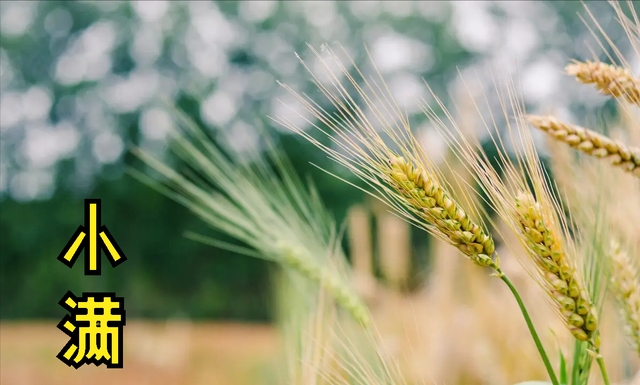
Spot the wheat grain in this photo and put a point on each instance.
(590, 142)
(626, 288)
(434, 205)
(560, 279)
(609, 79)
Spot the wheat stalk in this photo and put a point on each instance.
(590, 142)
(625, 285)
(560, 279)
(609, 79)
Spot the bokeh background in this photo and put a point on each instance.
(80, 83)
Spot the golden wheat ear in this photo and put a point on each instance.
(611, 80)
(625, 286)
(590, 142)
(559, 277)
(435, 206)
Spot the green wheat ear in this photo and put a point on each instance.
(268, 208)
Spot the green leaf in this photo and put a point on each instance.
(563, 369)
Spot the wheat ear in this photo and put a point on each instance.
(625, 285)
(296, 259)
(435, 206)
(590, 142)
(609, 79)
(265, 206)
(559, 278)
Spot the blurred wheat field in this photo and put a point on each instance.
(155, 353)
(463, 327)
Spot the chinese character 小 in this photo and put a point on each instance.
(92, 239)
